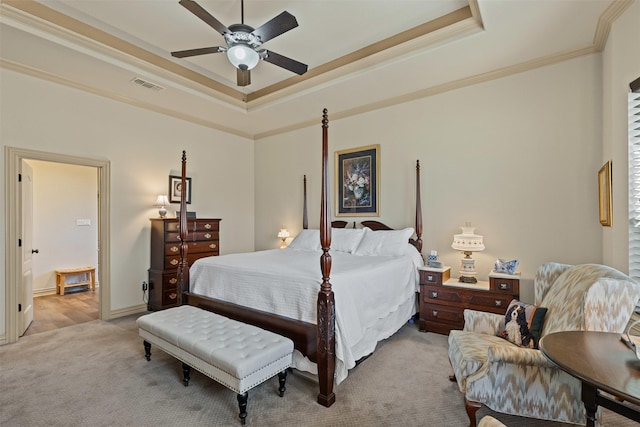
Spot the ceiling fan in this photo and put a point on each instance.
(243, 42)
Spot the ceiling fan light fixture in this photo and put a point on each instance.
(243, 57)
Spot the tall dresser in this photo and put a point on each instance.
(203, 239)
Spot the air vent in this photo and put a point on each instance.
(146, 84)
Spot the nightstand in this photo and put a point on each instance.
(443, 299)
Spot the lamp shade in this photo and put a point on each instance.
(162, 200)
(468, 241)
(243, 57)
(284, 233)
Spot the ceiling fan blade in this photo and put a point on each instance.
(199, 51)
(244, 77)
(278, 25)
(284, 62)
(197, 10)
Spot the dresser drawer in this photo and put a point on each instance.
(498, 284)
(172, 262)
(193, 247)
(492, 302)
(428, 277)
(193, 237)
(169, 297)
(440, 294)
(194, 226)
(452, 316)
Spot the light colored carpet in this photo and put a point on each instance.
(95, 374)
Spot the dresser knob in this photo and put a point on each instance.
(434, 294)
(498, 303)
(174, 249)
(434, 313)
(173, 295)
(173, 281)
(174, 261)
(212, 246)
(207, 226)
(503, 286)
(207, 236)
(431, 279)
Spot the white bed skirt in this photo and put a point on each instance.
(381, 330)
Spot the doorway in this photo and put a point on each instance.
(63, 216)
(14, 249)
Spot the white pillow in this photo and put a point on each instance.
(384, 242)
(306, 240)
(346, 239)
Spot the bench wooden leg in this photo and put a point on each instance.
(242, 404)
(147, 350)
(282, 378)
(186, 370)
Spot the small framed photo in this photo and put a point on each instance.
(175, 189)
(604, 194)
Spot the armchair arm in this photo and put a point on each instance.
(482, 322)
(518, 356)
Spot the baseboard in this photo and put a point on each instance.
(121, 312)
(3, 339)
(43, 292)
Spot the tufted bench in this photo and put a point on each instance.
(237, 355)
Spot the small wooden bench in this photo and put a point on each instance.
(88, 278)
(236, 355)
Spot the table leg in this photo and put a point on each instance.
(590, 400)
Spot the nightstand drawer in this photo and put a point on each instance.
(432, 277)
(452, 316)
(440, 294)
(499, 284)
(493, 302)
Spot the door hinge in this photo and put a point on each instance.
(19, 243)
(19, 308)
(19, 177)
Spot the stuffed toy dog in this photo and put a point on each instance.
(516, 329)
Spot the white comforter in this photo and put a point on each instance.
(374, 295)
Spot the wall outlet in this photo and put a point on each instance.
(145, 286)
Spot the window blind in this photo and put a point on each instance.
(634, 181)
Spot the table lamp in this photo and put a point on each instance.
(161, 202)
(467, 242)
(283, 234)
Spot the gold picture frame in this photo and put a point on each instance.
(604, 194)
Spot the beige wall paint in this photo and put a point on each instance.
(516, 156)
(621, 65)
(63, 194)
(143, 148)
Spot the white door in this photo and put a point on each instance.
(25, 297)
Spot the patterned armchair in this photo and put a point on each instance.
(520, 381)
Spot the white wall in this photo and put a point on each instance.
(621, 65)
(518, 157)
(63, 194)
(144, 148)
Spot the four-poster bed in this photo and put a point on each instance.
(314, 341)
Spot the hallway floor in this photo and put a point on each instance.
(77, 305)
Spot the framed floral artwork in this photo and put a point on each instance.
(175, 187)
(358, 181)
(604, 194)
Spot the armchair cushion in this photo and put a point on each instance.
(522, 324)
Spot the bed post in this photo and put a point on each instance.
(305, 216)
(183, 267)
(326, 304)
(418, 209)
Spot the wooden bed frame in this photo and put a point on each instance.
(317, 342)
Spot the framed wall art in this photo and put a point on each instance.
(604, 194)
(358, 181)
(175, 187)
